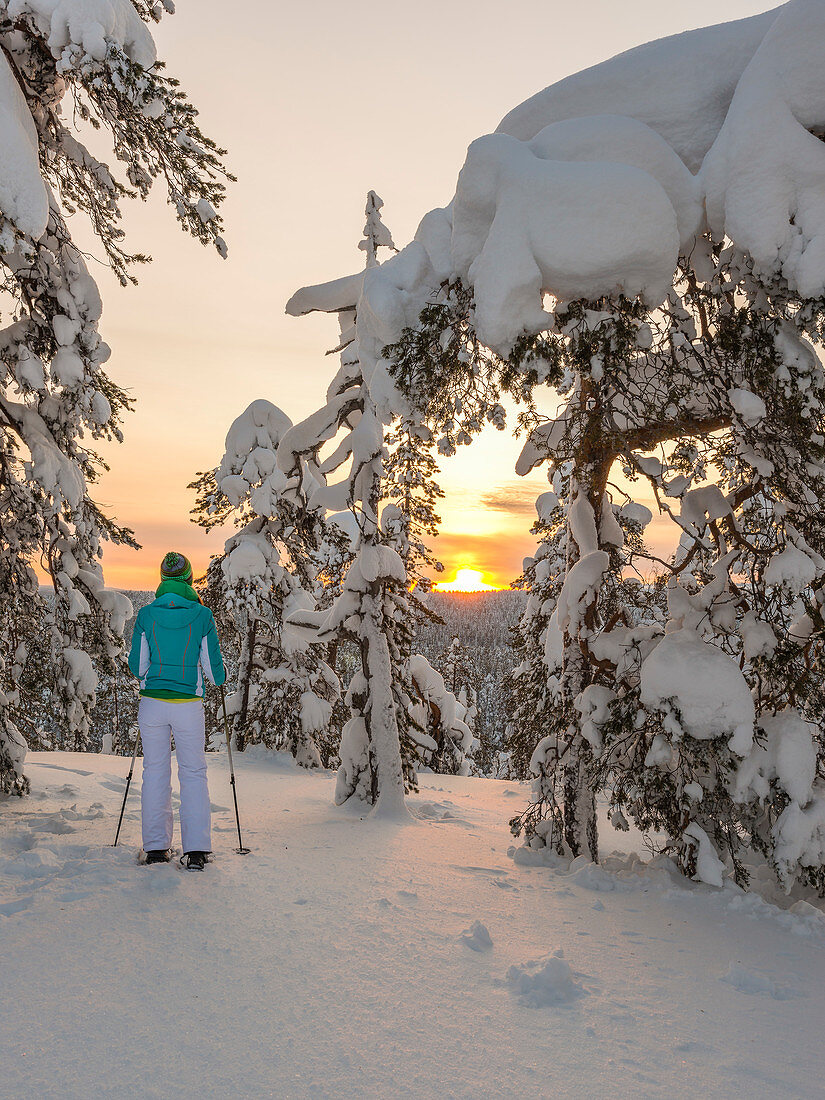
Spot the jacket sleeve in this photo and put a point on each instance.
(139, 652)
(211, 660)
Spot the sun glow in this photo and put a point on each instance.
(466, 580)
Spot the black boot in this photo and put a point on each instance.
(158, 856)
(194, 861)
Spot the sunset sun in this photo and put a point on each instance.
(466, 580)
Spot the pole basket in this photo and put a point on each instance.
(243, 851)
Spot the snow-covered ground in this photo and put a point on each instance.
(354, 958)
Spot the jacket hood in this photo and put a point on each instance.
(175, 612)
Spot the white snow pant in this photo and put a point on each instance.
(158, 720)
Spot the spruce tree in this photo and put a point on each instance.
(377, 752)
(275, 565)
(454, 665)
(448, 742)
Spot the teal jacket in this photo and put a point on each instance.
(174, 644)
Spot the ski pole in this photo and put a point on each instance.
(240, 849)
(128, 784)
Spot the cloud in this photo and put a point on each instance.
(515, 498)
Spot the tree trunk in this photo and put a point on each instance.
(245, 664)
(380, 717)
(589, 481)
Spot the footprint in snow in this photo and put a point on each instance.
(496, 872)
(76, 895)
(691, 1046)
(34, 863)
(439, 811)
(407, 895)
(58, 824)
(9, 908)
(13, 843)
(755, 983)
(427, 809)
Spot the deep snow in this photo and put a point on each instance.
(355, 958)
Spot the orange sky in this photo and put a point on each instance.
(318, 104)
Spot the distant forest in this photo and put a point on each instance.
(482, 622)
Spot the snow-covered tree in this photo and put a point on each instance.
(678, 315)
(271, 568)
(95, 64)
(532, 688)
(20, 626)
(468, 698)
(683, 379)
(376, 234)
(448, 742)
(373, 609)
(409, 485)
(454, 664)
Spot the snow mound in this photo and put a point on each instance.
(89, 25)
(619, 140)
(537, 857)
(477, 937)
(762, 176)
(688, 83)
(709, 867)
(23, 197)
(618, 873)
(593, 877)
(706, 686)
(523, 224)
(754, 983)
(546, 982)
(801, 919)
(786, 753)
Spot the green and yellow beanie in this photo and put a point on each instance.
(176, 567)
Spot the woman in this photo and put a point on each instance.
(174, 645)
